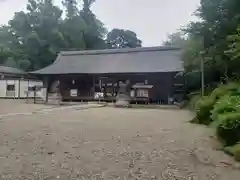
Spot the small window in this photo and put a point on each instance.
(31, 88)
(34, 88)
(142, 93)
(10, 87)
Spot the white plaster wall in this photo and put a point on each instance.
(3, 88)
(34, 83)
(13, 94)
(21, 86)
(16, 82)
(24, 84)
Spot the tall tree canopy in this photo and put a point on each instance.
(176, 39)
(32, 38)
(213, 39)
(120, 38)
(218, 20)
(96, 31)
(192, 47)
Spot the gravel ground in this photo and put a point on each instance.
(110, 143)
(11, 106)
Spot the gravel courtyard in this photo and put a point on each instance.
(108, 143)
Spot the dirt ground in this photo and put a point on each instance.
(11, 106)
(108, 143)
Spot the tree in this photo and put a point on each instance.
(32, 39)
(96, 31)
(4, 54)
(219, 18)
(191, 55)
(191, 48)
(234, 45)
(4, 51)
(11, 63)
(73, 26)
(71, 8)
(234, 51)
(175, 39)
(37, 34)
(120, 38)
(9, 54)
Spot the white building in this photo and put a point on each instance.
(15, 83)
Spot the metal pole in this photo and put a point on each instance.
(202, 75)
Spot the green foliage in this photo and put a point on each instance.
(176, 39)
(215, 39)
(226, 113)
(220, 101)
(192, 47)
(218, 20)
(219, 92)
(32, 38)
(226, 104)
(234, 151)
(234, 45)
(231, 88)
(221, 110)
(191, 55)
(93, 37)
(203, 110)
(205, 105)
(193, 100)
(233, 51)
(24, 64)
(120, 38)
(71, 8)
(11, 63)
(229, 128)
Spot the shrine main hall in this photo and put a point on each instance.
(153, 74)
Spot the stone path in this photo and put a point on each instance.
(110, 143)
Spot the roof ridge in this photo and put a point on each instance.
(120, 50)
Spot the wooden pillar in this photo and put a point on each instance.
(113, 84)
(46, 87)
(34, 96)
(14, 92)
(93, 91)
(27, 89)
(19, 89)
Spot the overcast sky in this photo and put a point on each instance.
(152, 20)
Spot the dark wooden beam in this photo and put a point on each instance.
(46, 86)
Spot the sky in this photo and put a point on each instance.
(152, 20)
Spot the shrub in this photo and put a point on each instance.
(232, 86)
(205, 107)
(206, 104)
(226, 104)
(228, 129)
(203, 110)
(234, 151)
(193, 101)
(224, 89)
(219, 92)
